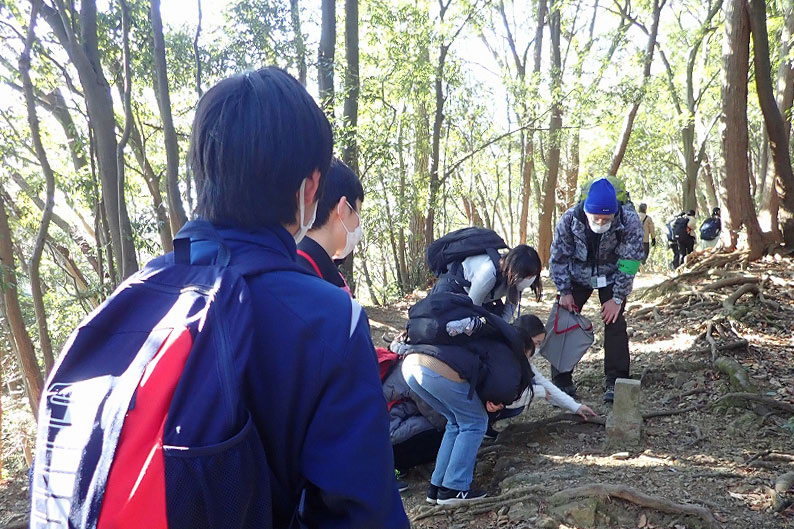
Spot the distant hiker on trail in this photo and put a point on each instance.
(224, 385)
(672, 244)
(598, 246)
(531, 327)
(337, 227)
(469, 261)
(710, 230)
(648, 231)
(683, 230)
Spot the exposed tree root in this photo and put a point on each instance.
(602, 490)
(739, 378)
(492, 503)
(731, 281)
(730, 302)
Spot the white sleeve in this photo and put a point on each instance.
(556, 395)
(482, 279)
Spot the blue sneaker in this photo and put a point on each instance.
(402, 486)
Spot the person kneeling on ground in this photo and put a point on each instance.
(533, 329)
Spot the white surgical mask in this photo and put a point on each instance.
(599, 228)
(352, 238)
(525, 283)
(302, 209)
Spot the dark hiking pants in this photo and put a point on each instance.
(616, 340)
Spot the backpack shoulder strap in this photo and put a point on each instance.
(496, 258)
(312, 262)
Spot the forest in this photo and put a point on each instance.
(453, 113)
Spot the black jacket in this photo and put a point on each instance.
(492, 361)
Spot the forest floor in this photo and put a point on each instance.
(716, 465)
(724, 456)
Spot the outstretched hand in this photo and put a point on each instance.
(610, 312)
(584, 412)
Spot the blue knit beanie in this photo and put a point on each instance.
(601, 198)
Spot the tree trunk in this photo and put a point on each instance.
(125, 135)
(775, 124)
(153, 184)
(555, 126)
(34, 382)
(628, 124)
(573, 171)
(325, 60)
(196, 54)
(176, 212)
(529, 150)
(84, 55)
(299, 43)
(49, 177)
(739, 210)
(435, 153)
(350, 114)
(785, 76)
(68, 229)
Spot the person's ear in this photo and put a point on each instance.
(341, 208)
(312, 189)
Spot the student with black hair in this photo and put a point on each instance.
(337, 226)
(260, 151)
(532, 329)
(519, 269)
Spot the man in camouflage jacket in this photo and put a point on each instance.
(598, 245)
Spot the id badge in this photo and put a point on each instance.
(598, 282)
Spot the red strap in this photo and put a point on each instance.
(311, 262)
(572, 327)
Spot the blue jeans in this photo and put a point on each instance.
(467, 422)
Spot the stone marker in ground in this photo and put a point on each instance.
(624, 424)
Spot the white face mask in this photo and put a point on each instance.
(302, 209)
(599, 228)
(525, 283)
(352, 238)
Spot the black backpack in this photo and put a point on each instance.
(710, 229)
(680, 228)
(446, 254)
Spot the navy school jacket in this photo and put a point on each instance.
(311, 385)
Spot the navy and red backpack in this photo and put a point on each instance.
(143, 423)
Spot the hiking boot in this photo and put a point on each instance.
(402, 486)
(609, 393)
(454, 497)
(432, 494)
(490, 434)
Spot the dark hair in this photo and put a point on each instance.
(520, 262)
(643, 207)
(715, 212)
(256, 137)
(691, 213)
(529, 326)
(340, 181)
